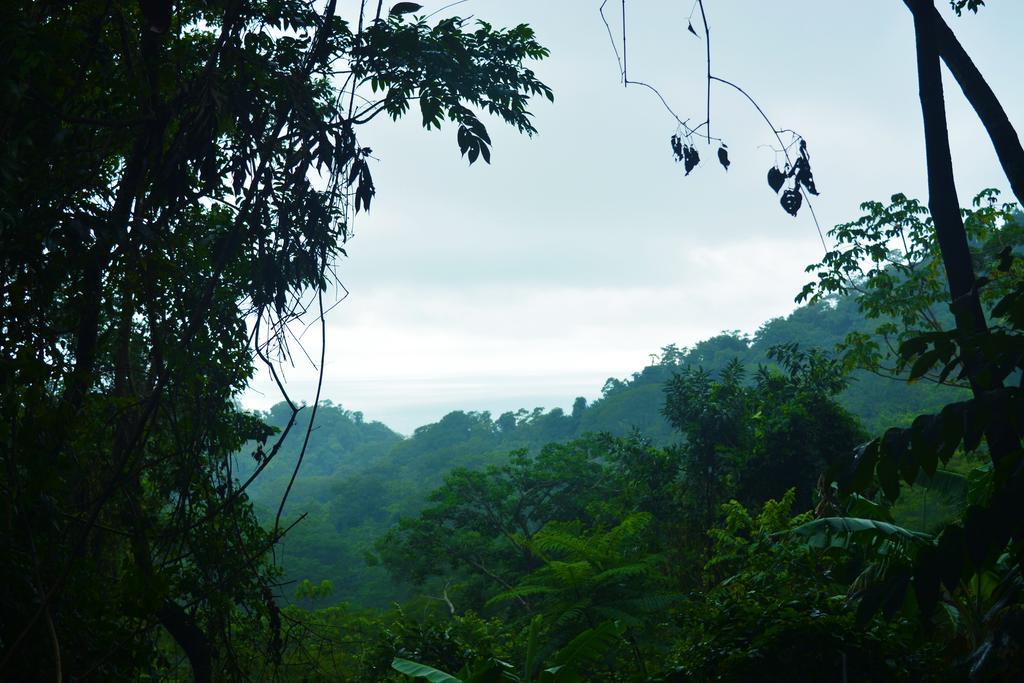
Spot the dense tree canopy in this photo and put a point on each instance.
(177, 177)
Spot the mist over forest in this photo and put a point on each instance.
(190, 334)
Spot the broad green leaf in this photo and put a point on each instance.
(417, 670)
(840, 531)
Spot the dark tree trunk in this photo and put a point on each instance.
(942, 196)
(977, 91)
(949, 227)
(191, 639)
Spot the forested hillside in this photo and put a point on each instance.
(358, 478)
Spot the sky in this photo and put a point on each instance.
(581, 251)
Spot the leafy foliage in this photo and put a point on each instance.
(777, 612)
(592, 577)
(949, 568)
(589, 645)
(178, 179)
(959, 5)
(889, 263)
(757, 440)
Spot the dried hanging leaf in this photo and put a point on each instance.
(776, 179)
(723, 156)
(690, 158)
(791, 200)
(802, 169)
(677, 148)
(802, 173)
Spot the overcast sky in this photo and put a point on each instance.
(581, 251)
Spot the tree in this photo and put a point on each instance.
(945, 207)
(754, 440)
(579, 406)
(981, 350)
(178, 180)
(889, 264)
(772, 613)
(480, 522)
(592, 577)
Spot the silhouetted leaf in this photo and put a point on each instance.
(959, 5)
(864, 465)
(353, 172)
(689, 27)
(364, 189)
(950, 426)
(802, 172)
(776, 179)
(723, 157)
(405, 8)
(888, 470)
(975, 421)
(677, 147)
(690, 158)
(923, 443)
(922, 365)
(791, 201)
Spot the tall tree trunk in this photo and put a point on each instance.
(949, 227)
(978, 92)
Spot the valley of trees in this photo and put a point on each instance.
(837, 496)
(359, 478)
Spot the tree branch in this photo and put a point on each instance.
(191, 639)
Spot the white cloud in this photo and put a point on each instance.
(581, 251)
